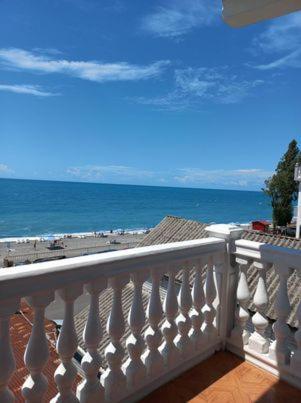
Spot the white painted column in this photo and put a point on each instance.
(296, 358)
(66, 372)
(7, 360)
(258, 340)
(196, 314)
(183, 321)
(229, 233)
(210, 330)
(37, 352)
(279, 350)
(91, 390)
(152, 358)
(134, 367)
(169, 328)
(240, 333)
(114, 380)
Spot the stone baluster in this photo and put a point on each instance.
(37, 352)
(296, 358)
(279, 350)
(7, 360)
(134, 367)
(210, 330)
(169, 328)
(91, 390)
(66, 372)
(113, 379)
(258, 340)
(196, 314)
(152, 359)
(240, 332)
(183, 321)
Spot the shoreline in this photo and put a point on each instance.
(73, 235)
(87, 234)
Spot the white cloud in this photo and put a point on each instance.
(26, 89)
(103, 173)
(281, 39)
(196, 85)
(181, 16)
(238, 178)
(5, 169)
(20, 59)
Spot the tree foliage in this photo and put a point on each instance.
(282, 188)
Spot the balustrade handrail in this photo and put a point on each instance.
(268, 253)
(30, 279)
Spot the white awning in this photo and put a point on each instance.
(239, 13)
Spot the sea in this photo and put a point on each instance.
(37, 208)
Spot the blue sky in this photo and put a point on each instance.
(145, 92)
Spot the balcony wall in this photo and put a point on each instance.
(205, 311)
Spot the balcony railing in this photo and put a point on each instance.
(274, 353)
(154, 357)
(193, 322)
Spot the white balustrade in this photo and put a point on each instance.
(7, 360)
(66, 347)
(210, 330)
(169, 329)
(152, 358)
(279, 350)
(91, 390)
(113, 379)
(36, 353)
(134, 368)
(258, 340)
(240, 332)
(196, 314)
(183, 321)
(296, 358)
(275, 355)
(192, 315)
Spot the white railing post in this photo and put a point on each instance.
(258, 340)
(183, 321)
(296, 358)
(66, 372)
(240, 333)
(198, 301)
(91, 390)
(152, 358)
(114, 380)
(210, 329)
(134, 368)
(37, 352)
(279, 350)
(228, 275)
(7, 360)
(169, 328)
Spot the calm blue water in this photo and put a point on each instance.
(29, 208)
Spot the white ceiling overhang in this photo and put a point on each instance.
(239, 13)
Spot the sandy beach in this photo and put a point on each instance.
(31, 249)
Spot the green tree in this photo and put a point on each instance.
(282, 188)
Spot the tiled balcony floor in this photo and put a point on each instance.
(225, 378)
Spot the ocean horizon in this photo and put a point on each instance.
(42, 207)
